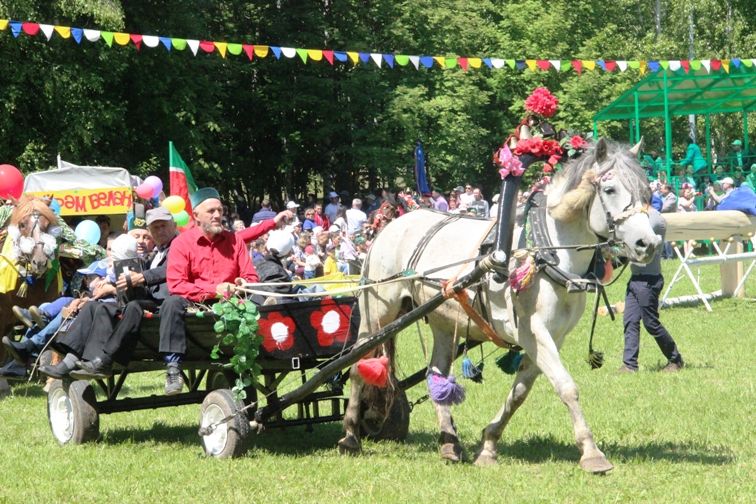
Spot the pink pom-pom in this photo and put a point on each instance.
(374, 371)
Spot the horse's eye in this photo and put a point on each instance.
(609, 190)
(22, 226)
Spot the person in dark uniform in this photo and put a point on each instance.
(642, 303)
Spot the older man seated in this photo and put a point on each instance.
(203, 262)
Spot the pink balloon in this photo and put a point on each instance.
(11, 182)
(155, 183)
(144, 191)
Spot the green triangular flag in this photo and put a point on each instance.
(566, 65)
(178, 43)
(401, 59)
(450, 62)
(235, 49)
(302, 54)
(511, 63)
(747, 63)
(695, 64)
(664, 64)
(634, 64)
(107, 37)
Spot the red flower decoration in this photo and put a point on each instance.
(538, 147)
(542, 102)
(331, 324)
(577, 142)
(277, 331)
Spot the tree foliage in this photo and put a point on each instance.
(284, 129)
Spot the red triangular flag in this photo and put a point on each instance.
(249, 50)
(30, 29)
(578, 66)
(463, 63)
(543, 64)
(686, 65)
(207, 46)
(716, 64)
(137, 39)
(610, 65)
(328, 55)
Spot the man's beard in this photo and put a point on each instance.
(212, 229)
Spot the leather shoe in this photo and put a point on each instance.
(59, 370)
(13, 370)
(38, 316)
(625, 369)
(673, 367)
(23, 315)
(92, 370)
(20, 351)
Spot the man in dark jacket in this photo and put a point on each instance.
(101, 348)
(271, 269)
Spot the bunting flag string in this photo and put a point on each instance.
(378, 59)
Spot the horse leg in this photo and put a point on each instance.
(350, 443)
(547, 359)
(441, 358)
(523, 383)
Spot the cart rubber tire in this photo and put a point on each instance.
(229, 439)
(72, 412)
(219, 379)
(394, 426)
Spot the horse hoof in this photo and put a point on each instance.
(349, 445)
(596, 465)
(451, 452)
(485, 459)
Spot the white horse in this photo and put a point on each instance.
(537, 318)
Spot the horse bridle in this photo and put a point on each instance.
(612, 221)
(35, 215)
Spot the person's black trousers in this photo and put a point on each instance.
(118, 344)
(173, 326)
(642, 303)
(94, 318)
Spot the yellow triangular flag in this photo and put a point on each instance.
(440, 60)
(531, 64)
(221, 46)
(589, 64)
(63, 31)
(643, 67)
(315, 54)
(726, 65)
(3, 24)
(355, 57)
(261, 51)
(474, 62)
(121, 38)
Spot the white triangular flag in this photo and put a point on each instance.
(622, 64)
(556, 64)
(674, 65)
(47, 30)
(193, 45)
(497, 62)
(707, 65)
(415, 61)
(376, 57)
(289, 52)
(150, 41)
(92, 35)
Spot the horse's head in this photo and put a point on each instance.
(608, 187)
(33, 232)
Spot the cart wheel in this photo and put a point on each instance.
(228, 439)
(72, 412)
(220, 379)
(376, 425)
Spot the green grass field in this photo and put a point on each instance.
(686, 437)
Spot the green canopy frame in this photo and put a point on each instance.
(669, 93)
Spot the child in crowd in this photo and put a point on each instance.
(312, 263)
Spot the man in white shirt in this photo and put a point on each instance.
(467, 197)
(355, 217)
(332, 209)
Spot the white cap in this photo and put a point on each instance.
(334, 229)
(291, 205)
(123, 247)
(727, 180)
(317, 230)
(281, 241)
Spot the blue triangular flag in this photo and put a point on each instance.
(364, 57)
(276, 51)
(389, 59)
(654, 66)
(166, 41)
(602, 64)
(15, 28)
(426, 61)
(735, 62)
(520, 64)
(488, 63)
(340, 56)
(76, 33)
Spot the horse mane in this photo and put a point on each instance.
(28, 205)
(574, 185)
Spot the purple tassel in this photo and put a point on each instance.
(445, 390)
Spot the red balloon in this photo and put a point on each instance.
(11, 182)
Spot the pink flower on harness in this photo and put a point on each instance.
(509, 163)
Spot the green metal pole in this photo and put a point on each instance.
(745, 132)
(630, 132)
(637, 119)
(707, 122)
(667, 132)
(595, 131)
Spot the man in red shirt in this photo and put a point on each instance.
(203, 262)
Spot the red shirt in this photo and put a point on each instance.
(255, 232)
(197, 265)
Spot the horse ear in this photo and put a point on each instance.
(600, 152)
(636, 149)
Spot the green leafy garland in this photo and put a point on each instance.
(236, 327)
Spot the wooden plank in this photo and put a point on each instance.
(713, 225)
